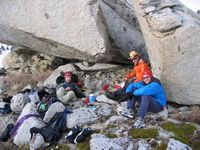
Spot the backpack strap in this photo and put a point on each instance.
(13, 132)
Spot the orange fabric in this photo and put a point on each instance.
(138, 71)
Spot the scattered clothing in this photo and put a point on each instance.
(82, 135)
(73, 133)
(7, 99)
(5, 135)
(52, 132)
(78, 134)
(5, 110)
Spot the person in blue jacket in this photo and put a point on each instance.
(149, 93)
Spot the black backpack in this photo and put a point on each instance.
(52, 132)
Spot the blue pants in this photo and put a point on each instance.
(147, 104)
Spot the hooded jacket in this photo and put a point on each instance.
(138, 71)
(154, 89)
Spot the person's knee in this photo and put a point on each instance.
(60, 92)
(71, 93)
(146, 97)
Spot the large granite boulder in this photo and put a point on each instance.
(90, 30)
(172, 32)
(81, 117)
(74, 67)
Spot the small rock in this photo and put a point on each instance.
(53, 109)
(149, 9)
(163, 134)
(116, 120)
(104, 110)
(174, 144)
(183, 109)
(2, 87)
(170, 108)
(100, 142)
(2, 71)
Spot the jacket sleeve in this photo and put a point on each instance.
(133, 86)
(150, 89)
(130, 74)
(78, 92)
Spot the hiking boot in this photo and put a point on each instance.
(130, 113)
(126, 114)
(139, 123)
(73, 133)
(82, 135)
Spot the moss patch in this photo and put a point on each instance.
(161, 146)
(111, 135)
(111, 126)
(83, 146)
(144, 133)
(24, 147)
(182, 132)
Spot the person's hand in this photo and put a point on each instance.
(129, 95)
(125, 79)
(67, 89)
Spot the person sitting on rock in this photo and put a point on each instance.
(149, 93)
(134, 76)
(68, 91)
(139, 67)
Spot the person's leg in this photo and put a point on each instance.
(60, 92)
(70, 96)
(131, 103)
(148, 104)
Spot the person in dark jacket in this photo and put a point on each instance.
(149, 93)
(68, 91)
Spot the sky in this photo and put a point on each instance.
(192, 4)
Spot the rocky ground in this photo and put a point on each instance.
(110, 130)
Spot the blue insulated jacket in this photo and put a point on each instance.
(154, 89)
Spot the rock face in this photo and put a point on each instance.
(24, 60)
(172, 33)
(88, 30)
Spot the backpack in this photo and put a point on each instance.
(45, 103)
(52, 132)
